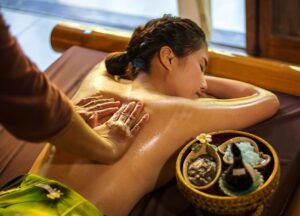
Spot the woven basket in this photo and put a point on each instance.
(213, 200)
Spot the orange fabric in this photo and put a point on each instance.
(31, 107)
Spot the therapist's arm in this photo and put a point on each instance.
(32, 108)
(107, 142)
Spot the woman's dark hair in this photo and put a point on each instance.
(183, 36)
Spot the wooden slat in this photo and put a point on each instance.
(267, 74)
(66, 35)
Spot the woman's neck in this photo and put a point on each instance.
(149, 82)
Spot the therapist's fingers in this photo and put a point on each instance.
(86, 100)
(85, 115)
(97, 118)
(117, 115)
(137, 127)
(134, 115)
(94, 103)
(127, 111)
(106, 112)
(90, 101)
(92, 120)
(104, 115)
(101, 106)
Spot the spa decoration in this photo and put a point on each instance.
(240, 178)
(202, 170)
(202, 166)
(249, 149)
(239, 189)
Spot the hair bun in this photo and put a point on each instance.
(116, 63)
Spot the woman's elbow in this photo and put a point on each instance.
(269, 101)
(273, 104)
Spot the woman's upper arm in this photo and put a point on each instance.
(226, 88)
(215, 114)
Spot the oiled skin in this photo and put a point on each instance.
(116, 188)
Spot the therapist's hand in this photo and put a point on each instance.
(123, 126)
(96, 110)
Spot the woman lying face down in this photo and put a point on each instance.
(164, 67)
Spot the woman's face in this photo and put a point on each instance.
(187, 79)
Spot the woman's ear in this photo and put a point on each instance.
(166, 57)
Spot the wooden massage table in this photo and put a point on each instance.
(85, 47)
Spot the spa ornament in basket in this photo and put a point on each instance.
(202, 166)
(241, 181)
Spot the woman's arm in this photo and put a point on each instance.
(226, 88)
(207, 114)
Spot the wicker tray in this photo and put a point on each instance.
(213, 200)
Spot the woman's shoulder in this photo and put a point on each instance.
(99, 82)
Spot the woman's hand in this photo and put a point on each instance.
(96, 110)
(121, 128)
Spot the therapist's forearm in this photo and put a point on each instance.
(78, 138)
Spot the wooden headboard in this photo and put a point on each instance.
(272, 75)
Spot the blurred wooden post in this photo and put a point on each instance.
(65, 35)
